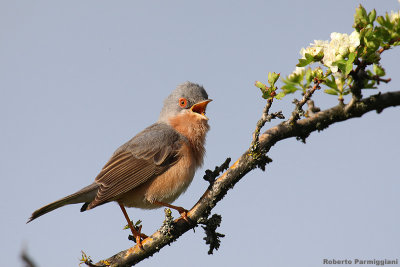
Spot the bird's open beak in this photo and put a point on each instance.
(200, 108)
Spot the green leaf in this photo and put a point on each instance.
(372, 16)
(273, 77)
(379, 70)
(346, 66)
(360, 18)
(349, 68)
(381, 20)
(388, 24)
(261, 85)
(265, 90)
(383, 34)
(341, 64)
(346, 91)
(309, 76)
(370, 86)
(372, 44)
(295, 79)
(280, 95)
(331, 91)
(304, 62)
(289, 88)
(352, 57)
(373, 57)
(331, 83)
(308, 56)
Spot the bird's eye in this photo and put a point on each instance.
(182, 102)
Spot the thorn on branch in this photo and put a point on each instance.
(212, 237)
(210, 176)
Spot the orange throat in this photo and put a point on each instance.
(194, 128)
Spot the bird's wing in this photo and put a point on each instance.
(147, 155)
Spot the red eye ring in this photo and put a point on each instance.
(182, 102)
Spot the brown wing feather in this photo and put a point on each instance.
(124, 172)
(144, 157)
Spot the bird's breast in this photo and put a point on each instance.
(195, 129)
(172, 183)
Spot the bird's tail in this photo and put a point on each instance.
(86, 194)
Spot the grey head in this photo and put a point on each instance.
(186, 96)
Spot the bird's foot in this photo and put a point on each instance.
(137, 236)
(183, 212)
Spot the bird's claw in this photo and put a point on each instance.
(138, 237)
(183, 212)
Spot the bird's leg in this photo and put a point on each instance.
(136, 234)
(183, 212)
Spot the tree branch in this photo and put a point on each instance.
(218, 189)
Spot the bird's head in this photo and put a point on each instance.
(188, 98)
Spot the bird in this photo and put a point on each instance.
(156, 166)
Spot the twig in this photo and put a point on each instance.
(211, 175)
(388, 45)
(299, 104)
(379, 79)
(261, 122)
(254, 148)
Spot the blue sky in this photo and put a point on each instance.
(80, 78)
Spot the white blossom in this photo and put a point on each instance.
(336, 49)
(354, 41)
(394, 16)
(297, 71)
(314, 49)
